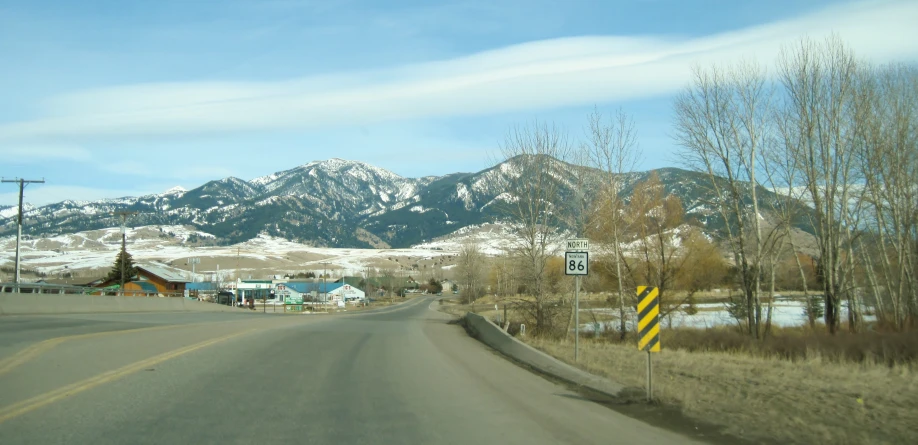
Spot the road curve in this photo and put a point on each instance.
(396, 376)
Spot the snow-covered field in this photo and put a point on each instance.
(492, 239)
(93, 252)
(785, 314)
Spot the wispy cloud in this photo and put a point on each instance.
(538, 75)
(39, 195)
(25, 154)
(183, 172)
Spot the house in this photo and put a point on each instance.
(253, 290)
(449, 285)
(347, 293)
(138, 288)
(151, 278)
(319, 292)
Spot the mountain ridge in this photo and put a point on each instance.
(340, 203)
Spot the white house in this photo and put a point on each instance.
(346, 293)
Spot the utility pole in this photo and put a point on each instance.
(22, 184)
(366, 286)
(194, 261)
(238, 277)
(124, 214)
(325, 284)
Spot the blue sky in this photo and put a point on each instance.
(119, 97)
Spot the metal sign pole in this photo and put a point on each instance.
(649, 377)
(577, 263)
(576, 317)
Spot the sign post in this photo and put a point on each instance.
(648, 328)
(577, 263)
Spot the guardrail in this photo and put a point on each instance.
(37, 304)
(65, 289)
(492, 335)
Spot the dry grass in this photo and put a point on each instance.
(809, 401)
(795, 344)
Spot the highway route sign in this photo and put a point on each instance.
(576, 263)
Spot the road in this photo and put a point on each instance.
(401, 375)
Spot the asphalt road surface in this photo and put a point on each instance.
(401, 375)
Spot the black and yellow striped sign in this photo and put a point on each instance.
(648, 318)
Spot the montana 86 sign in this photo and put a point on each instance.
(576, 263)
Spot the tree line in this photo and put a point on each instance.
(831, 135)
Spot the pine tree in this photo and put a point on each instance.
(128, 271)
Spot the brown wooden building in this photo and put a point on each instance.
(163, 279)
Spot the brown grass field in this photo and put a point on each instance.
(811, 401)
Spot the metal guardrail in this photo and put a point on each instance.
(64, 289)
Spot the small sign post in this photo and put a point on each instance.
(577, 263)
(648, 328)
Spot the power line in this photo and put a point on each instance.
(22, 184)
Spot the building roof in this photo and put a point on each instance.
(160, 270)
(353, 289)
(305, 288)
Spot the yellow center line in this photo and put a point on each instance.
(25, 406)
(29, 353)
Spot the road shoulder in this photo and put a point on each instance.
(628, 401)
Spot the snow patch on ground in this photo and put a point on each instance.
(177, 190)
(96, 250)
(786, 313)
(264, 180)
(491, 239)
(9, 212)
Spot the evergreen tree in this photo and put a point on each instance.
(128, 271)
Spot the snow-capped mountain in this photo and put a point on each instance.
(339, 203)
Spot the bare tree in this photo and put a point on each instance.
(532, 168)
(470, 268)
(504, 276)
(888, 154)
(819, 81)
(389, 280)
(654, 219)
(613, 149)
(722, 123)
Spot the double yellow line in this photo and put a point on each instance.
(21, 357)
(25, 406)
(29, 353)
